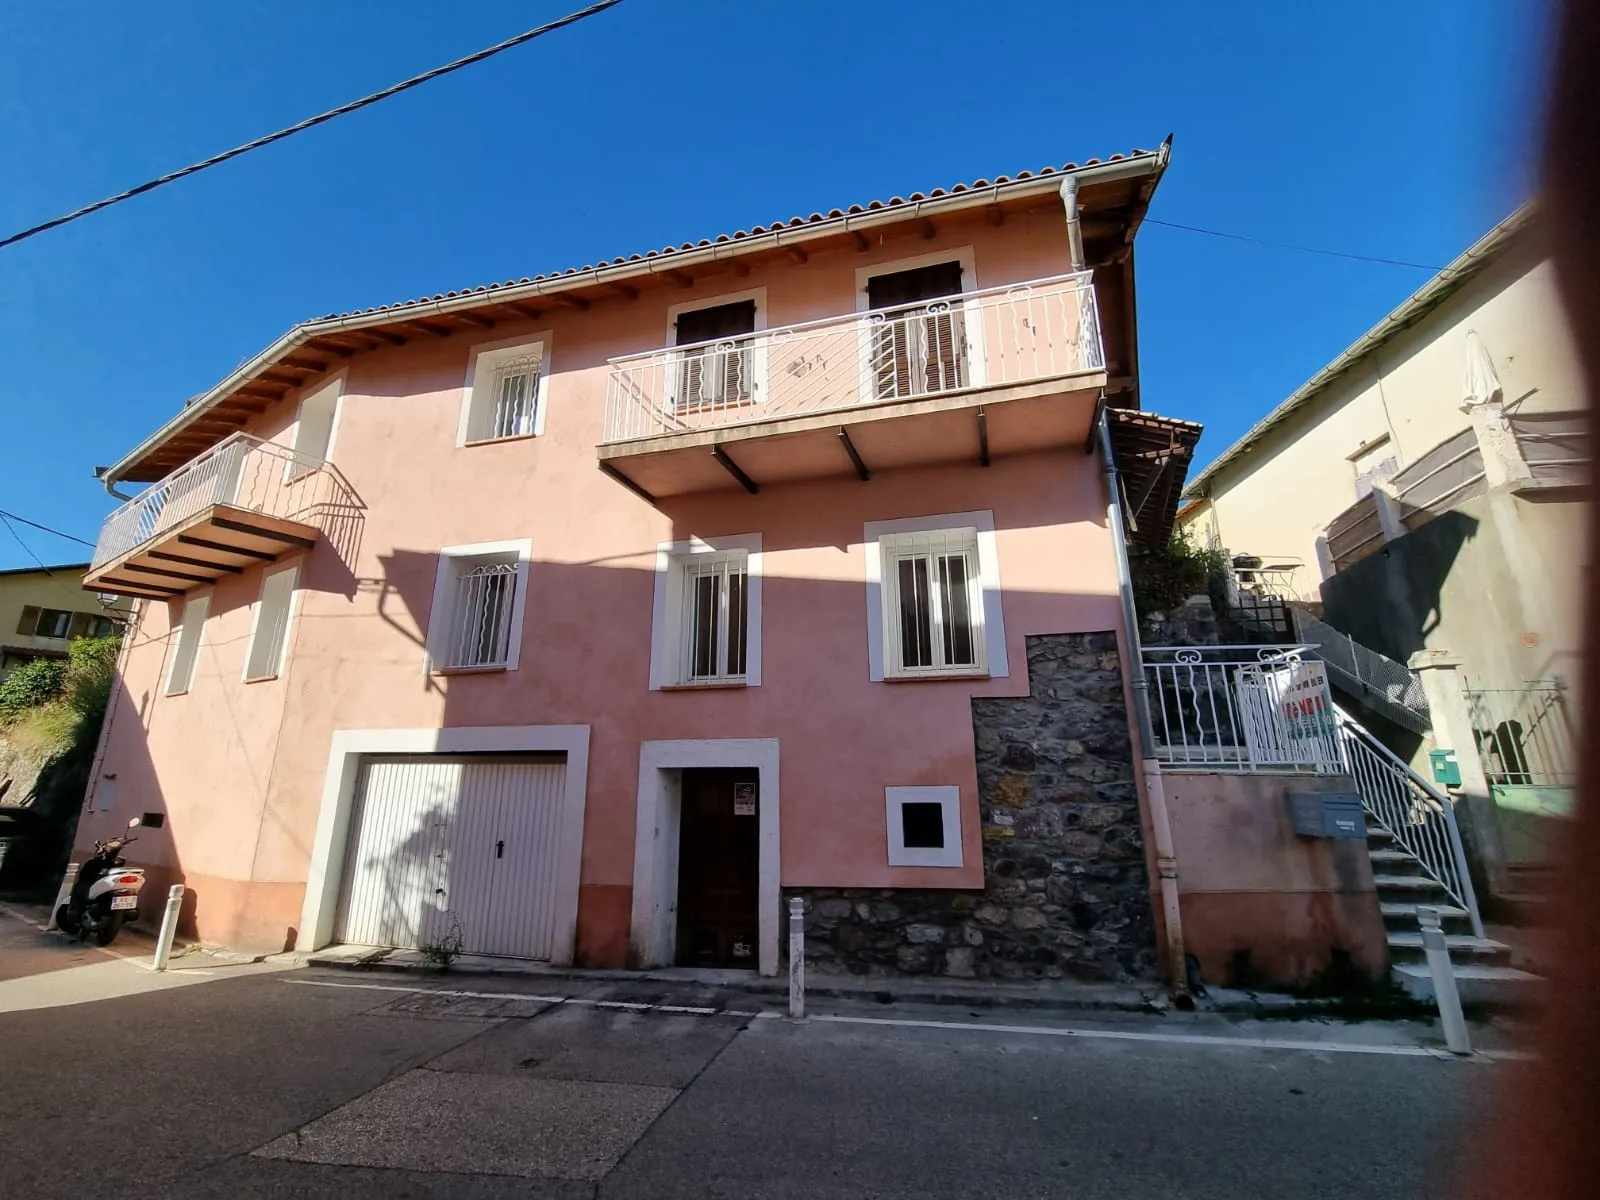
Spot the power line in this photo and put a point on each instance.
(1239, 237)
(43, 528)
(570, 19)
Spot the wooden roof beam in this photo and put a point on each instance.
(300, 362)
(471, 318)
(626, 290)
(797, 254)
(571, 301)
(680, 277)
(438, 331)
(522, 309)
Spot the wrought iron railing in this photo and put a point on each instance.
(240, 471)
(1016, 334)
(1524, 735)
(1420, 819)
(1241, 708)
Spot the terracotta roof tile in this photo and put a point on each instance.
(753, 231)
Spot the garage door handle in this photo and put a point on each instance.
(499, 849)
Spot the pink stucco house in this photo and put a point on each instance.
(588, 616)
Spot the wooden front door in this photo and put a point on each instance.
(718, 868)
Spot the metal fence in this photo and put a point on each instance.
(1421, 820)
(240, 471)
(1027, 331)
(1385, 686)
(1241, 708)
(1524, 735)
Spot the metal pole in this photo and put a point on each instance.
(169, 927)
(1444, 981)
(797, 958)
(67, 880)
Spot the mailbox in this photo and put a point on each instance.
(1327, 814)
(1446, 770)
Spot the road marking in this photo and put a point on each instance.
(1182, 1039)
(19, 915)
(1057, 1031)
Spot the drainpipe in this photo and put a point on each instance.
(1069, 198)
(1161, 827)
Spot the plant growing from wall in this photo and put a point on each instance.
(1165, 578)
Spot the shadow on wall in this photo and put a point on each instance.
(1394, 599)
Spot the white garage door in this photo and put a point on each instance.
(440, 842)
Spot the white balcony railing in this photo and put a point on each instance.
(1016, 334)
(241, 471)
(1242, 708)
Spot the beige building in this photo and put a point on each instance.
(42, 610)
(1388, 400)
(1425, 495)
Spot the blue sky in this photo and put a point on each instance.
(1396, 129)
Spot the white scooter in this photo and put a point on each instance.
(105, 893)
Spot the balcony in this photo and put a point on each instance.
(242, 503)
(961, 379)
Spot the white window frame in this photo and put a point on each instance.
(758, 346)
(304, 461)
(988, 615)
(972, 311)
(440, 616)
(290, 606)
(668, 617)
(948, 798)
(196, 610)
(485, 359)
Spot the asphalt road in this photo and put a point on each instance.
(303, 1083)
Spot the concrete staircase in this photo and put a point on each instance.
(1482, 965)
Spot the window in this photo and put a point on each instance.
(719, 368)
(924, 826)
(186, 642)
(478, 601)
(102, 627)
(919, 341)
(707, 618)
(45, 622)
(933, 598)
(313, 429)
(1374, 461)
(505, 392)
(270, 636)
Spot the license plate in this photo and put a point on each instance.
(124, 902)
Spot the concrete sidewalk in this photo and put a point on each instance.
(48, 969)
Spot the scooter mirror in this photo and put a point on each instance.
(133, 822)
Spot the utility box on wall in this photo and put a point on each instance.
(1327, 814)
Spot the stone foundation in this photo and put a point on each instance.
(1066, 891)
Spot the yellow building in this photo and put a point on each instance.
(43, 609)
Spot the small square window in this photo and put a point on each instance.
(478, 600)
(924, 826)
(505, 392)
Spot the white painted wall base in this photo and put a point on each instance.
(653, 930)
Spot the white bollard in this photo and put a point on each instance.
(797, 958)
(67, 880)
(169, 928)
(1444, 981)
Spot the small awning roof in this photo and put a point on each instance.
(1153, 454)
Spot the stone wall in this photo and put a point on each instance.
(1066, 891)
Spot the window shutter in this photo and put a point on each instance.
(187, 654)
(79, 624)
(314, 430)
(272, 625)
(30, 620)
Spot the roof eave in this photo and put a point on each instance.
(1150, 162)
(1466, 265)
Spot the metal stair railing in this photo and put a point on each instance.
(1420, 819)
(1389, 688)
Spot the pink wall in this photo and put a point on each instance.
(1247, 883)
(239, 767)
